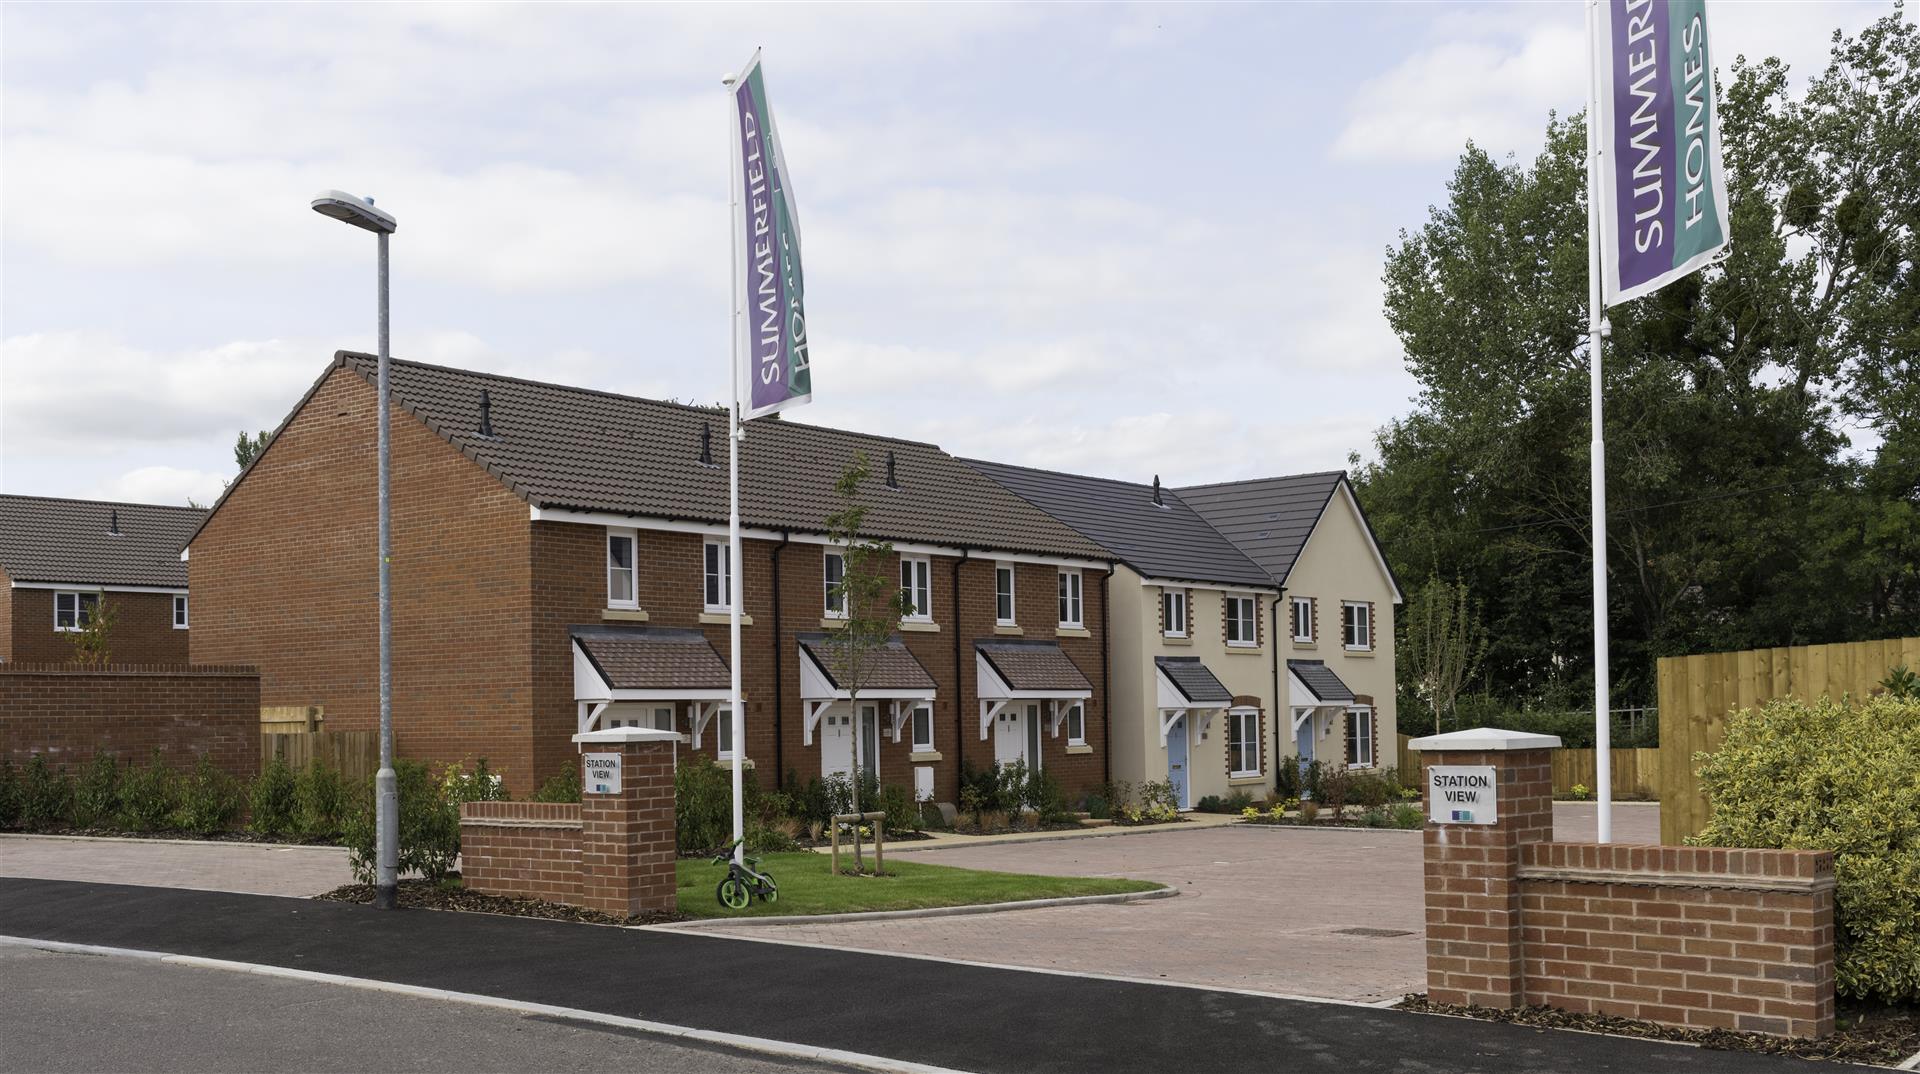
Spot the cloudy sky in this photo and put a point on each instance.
(1121, 239)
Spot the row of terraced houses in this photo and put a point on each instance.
(560, 564)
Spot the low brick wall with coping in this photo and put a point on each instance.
(1698, 937)
(69, 712)
(526, 849)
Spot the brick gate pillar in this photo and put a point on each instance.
(1488, 792)
(626, 820)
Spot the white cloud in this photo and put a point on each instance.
(163, 484)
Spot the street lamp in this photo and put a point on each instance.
(386, 792)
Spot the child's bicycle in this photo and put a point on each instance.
(744, 881)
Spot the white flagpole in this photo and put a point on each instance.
(1596, 331)
(736, 714)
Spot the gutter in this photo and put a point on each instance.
(1274, 639)
(959, 691)
(1106, 676)
(779, 684)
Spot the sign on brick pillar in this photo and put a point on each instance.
(626, 820)
(1488, 793)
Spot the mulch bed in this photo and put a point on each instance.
(427, 895)
(1865, 1033)
(1008, 829)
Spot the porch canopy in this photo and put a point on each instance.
(641, 663)
(1313, 685)
(892, 675)
(1007, 670)
(1187, 687)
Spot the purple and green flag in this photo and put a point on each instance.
(1662, 194)
(771, 320)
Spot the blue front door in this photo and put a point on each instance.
(1177, 760)
(1303, 743)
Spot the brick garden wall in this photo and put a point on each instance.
(68, 713)
(525, 849)
(143, 630)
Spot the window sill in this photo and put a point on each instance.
(1173, 639)
(727, 763)
(1007, 628)
(1298, 644)
(623, 615)
(919, 626)
(832, 622)
(1242, 781)
(722, 619)
(1081, 748)
(924, 757)
(1359, 652)
(1242, 650)
(1072, 632)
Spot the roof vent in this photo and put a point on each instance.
(113, 522)
(1157, 501)
(893, 476)
(486, 413)
(706, 443)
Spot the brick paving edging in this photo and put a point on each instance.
(926, 911)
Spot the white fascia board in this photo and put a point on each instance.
(91, 587)
(1170, 583)
(672, 694)
(1298, 695)
(587, 683)
(989, 685)
(1372, 545)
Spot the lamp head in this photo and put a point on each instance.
(354, 210)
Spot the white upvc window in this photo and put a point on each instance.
(1076, 725)
(1003, 594)
(1356, 623)
(1071, 610)
(923, 728)
(622, 591)
(1303, 619)
(72, 611)
(1242, 627)
(1360, 738)
(833, 573)
(718, 576)
(179, 611)
(1243, 741)
(1173, 613)
(724, 718)
(916, 583)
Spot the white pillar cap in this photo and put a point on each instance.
(615, 736)
(1485, 739)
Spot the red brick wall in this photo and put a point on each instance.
(627, 857)
(142, 631)
(69, 713)
(1664, 934)
(526, 849)
(284, 577)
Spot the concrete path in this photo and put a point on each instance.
(80, 1013)
(993, 1021)
(256, 868)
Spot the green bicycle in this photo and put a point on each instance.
(744, 880)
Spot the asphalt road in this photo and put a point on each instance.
(996, 1021)
(87, 1013)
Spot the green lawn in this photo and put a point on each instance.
(808, 887)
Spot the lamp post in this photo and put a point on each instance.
(386, 793)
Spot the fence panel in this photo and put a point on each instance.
(1697, 693)
(354, 754)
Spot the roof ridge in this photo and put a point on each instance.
(1066, 473)
(1275, 477)
(101, 503)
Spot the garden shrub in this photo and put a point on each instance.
(702, 805)
(903, 813)
(560, 787)
(1406, 815)
(985, 785)
(274, 800)
(813, 803)
(1238, 801)
(1839, 776)
(1286, 778)
(429, 823)
(1041, 794)
(46, 795)
(210, 798)
(1336, 787)
(1098, 806)
(9, 793)
(1011, 785)
(150, 796)
(1209, 804)
(96, 798)
(322, 801)
(1374, 789)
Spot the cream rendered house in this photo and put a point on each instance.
(1195, 671)
(1338, 599)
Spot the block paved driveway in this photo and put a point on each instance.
(1265, 909)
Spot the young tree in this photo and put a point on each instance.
(872, 599)
(1442, 644)
(91, 641)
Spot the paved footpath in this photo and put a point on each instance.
(254, 868)
(959, 1017)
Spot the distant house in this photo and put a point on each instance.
(1338, 603)
(560, 563)
(60, 558)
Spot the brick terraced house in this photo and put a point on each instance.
(60, 558)
(560, 564)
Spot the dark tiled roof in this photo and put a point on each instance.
(1316, 676)
(579, 449)
(1033, 665)
(43, 539)
(890, 667)
(1166, 540)
(1194, 680)
(653, 658)
(1269, 518)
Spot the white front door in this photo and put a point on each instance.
(1009, 738)
(836, 741)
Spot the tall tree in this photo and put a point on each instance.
(1441, 646)
(248, 447)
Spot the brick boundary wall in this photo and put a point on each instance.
(70, 712)
(526, 849)
(1698, 937)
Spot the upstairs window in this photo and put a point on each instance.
(1003, 594)
(1241, 625)
(719, 577)
(1070, 608)
(916, 584)
(621, 592)
(834, 573)
(180, 611)
(1356, 622)
(1303, 619)
(71, 611)
(1173, 612)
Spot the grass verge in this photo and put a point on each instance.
(807, 886)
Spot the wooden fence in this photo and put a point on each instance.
(354, 754)
(1697, 693)
(1636, 773)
